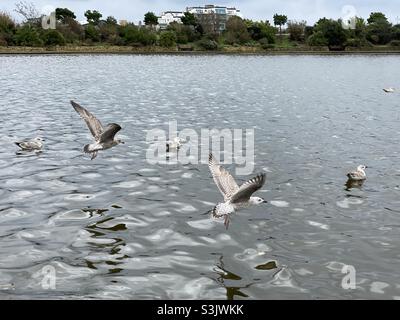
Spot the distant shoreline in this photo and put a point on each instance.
(123, 50)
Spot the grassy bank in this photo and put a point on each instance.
(102, 49)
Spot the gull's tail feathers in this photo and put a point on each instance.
(87, 149)
(216, 213)
(91, 148)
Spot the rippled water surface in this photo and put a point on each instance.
(119, 227)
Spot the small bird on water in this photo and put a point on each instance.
(175, 144)
(103, 136)
(358, 175)
(389, 90)
(31, 145)
(235, 197)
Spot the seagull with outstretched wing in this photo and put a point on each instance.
(235, 197)
(104, 137)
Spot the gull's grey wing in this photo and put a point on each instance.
(248, 188)
(92, 122)
(222, 178)
(28, 145)
(109, 132)
(355, 175)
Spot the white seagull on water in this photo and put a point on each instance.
(235, 197)
(30, 145)
(358, 175)
(104, 137)
(175, 144)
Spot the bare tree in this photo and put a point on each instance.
(27, 10)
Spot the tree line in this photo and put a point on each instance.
(376, 30)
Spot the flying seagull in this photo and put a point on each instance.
(30, 145)
(358, 175)
(235, 197)
(388, 90)
(103, 136)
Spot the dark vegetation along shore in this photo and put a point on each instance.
(244, 36)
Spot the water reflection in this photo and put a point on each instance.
(32, 153)
(267, 266)
(224, 278)
(354, 184)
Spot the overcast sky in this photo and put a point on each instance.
(309, 10)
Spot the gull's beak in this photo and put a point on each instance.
(122, 142)
(265, 201)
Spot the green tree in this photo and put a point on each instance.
(27, 36)
(376, 16)
(296, 30)
(379, 30)
(280, 20)
(332, 31)
(53, 38)
(63, 14)
(199, 29)
(357, 36)
(71, 30)
(317, 39)
(111, 20)
(308, 31)
(396, 32)
(184, 33)
(189, 19)
(236, 31)
(150, 19)
(395, 43)
(207, 44)
(7, 29)
(146, 37)
(132, 35)
(109, 31)
(92, 33)
(261, 30)
(93, 17)
(167, 39)
(265, 44)
(128, 33)
(360, 29)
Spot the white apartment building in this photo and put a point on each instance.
(234, 12)
(168, 17)
(222, 13)
(213, 18)
(208, 9)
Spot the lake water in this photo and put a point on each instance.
(118, 227)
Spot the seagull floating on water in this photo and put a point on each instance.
(175, 144)
(30, 145)
(358, 175)
(235, 197)
(103, 136)
(389, 90)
